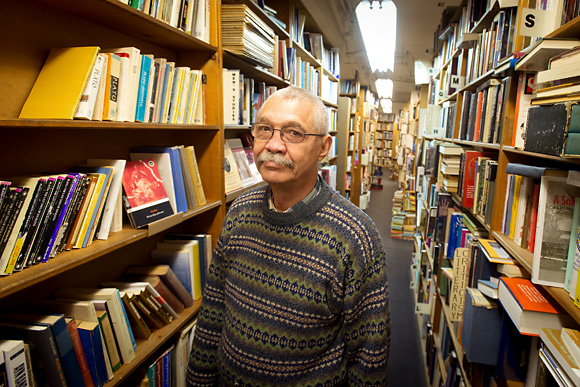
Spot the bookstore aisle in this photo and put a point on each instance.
(405, 366)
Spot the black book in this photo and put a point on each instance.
(74, 209)
(53, 220)
(546, 129)
(472, 116)
(483, 115)
(64, 214)
(31, 211)
(35, 255)
(4, 185)
(17, 207)
(25, 253)
(464, 120)
(7, 212)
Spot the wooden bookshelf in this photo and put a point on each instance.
(504, 153)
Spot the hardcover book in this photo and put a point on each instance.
(530, 307)
(60, 84)
(144, 194)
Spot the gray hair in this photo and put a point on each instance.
(319, 118)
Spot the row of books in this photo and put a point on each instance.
(192, 17)
(243, 97)
(83, 335)
(42, 216)
(117, 84)
(541, 215)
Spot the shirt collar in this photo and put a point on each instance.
(315, 191)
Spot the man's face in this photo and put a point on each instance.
(300, 161)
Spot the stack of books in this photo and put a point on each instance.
(246, 35)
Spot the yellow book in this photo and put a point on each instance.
(517, 187)
(59, 87)
(92, 207)
(195, 176)
(113, 74)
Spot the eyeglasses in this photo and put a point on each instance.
(287, 134)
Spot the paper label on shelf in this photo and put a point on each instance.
(537, 22)
(422, 308)
(573, 178)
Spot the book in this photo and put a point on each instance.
(530, 307)
(539, 54)
(168, 277)
(90, 335)
(111, 87)
(116, 313)
(239, 156)
(46, 362)
(552, 339)
(118, 166)
(163, 162)
(554, 222)
(144, 195)
(571, 339)
(128, 87)
(111, 349)
(143, 87)
(181, 263)
(138, 324)
(57, 91)
(192, 249)
(80, 311)
(64, 344)
(481, 328)
(176, 171)
(160, 287)
(88, 99)
(79, 351)
(233, 181)
(231, 98)
(187, 178)
(13, 353)
(195, 175)
(182, 351)
(495, 253)
(523, 102)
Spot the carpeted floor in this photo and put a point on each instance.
(405, 366)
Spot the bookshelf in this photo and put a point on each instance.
(53, 146)
(458, 41)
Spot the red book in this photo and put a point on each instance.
(478, 116)
(533, 218)
(71, 325)
(468, 184)
(530, 307)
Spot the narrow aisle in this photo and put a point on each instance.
(405, 367)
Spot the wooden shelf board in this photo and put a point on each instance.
(128, 20)
(13, 124)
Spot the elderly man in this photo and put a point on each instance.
(297, 291)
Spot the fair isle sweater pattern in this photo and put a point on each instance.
(294, 299)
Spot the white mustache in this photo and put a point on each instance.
(277, 158)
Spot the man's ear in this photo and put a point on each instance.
(325, 147)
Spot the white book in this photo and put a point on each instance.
(100, 99)
(116, 311)
(122, 91)
(181, 351)
(15, 362)
(113, 195)
(89, 98)
(231, 98)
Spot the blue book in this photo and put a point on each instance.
(131, 335)
(90, 335)
(508, 212)
(108, 171)
(167, 368)
(454, 233)
(64, 344)
(202, 241)
(168, 69)
(178, 184)
(143, 88)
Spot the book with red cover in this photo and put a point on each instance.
(468, 177)
(144, 194)
(530, 307)
(478, 117)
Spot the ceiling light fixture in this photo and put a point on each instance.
(378, 26)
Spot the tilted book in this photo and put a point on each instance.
(58, 89)
(144, 194)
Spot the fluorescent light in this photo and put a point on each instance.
(378, 25)
(387, 105)
(384, 88)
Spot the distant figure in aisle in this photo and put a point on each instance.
(297, 290)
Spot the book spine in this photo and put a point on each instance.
(80, 352)
(18, 202)
(143, 88)
(63, 200)
(92, 345)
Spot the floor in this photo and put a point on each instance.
(405, 366)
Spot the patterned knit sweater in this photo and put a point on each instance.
(294, 299)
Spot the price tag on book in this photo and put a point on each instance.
(573, 178)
